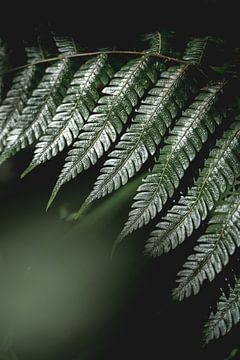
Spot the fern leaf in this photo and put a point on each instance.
(227, 314)
(220, 171)
(106, 121)
(196, 50)
(22, 87)
(40, 108)
(73, 112)
(182, 145)
(214, 247)
(159, 42)
(66, 45)
(155, 115)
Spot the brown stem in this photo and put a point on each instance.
(109, 52)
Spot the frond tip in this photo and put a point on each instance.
(212, 252)
(227, 314)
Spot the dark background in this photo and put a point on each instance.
(136, 317)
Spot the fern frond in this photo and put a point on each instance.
(66, 45)
(80, 100)
(106, 122)
(220, 171)
(227, 314)
(40, 108)
(182, 145)
(22, 87)
(196, 50)
(220, 240)
(154, 116)
(35, 110)
(34, 53)
(159, 42)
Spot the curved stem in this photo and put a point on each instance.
(109, 52)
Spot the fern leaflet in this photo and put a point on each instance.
(40, 108)
(220, 171)
(213, 250)
(181, 147)
(227, 315)
(22, 87)
(155, 115)
(80, 100)
(106, 121)
(196, 50)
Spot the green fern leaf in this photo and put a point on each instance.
(159, 42)
(106, 121)
(220, 171)
(227, 314)
(196, 50)
(73, 112)
(155, 115)
(40, 108)
(182, 145)
(66, 45)
(22, 87)
(213, 250)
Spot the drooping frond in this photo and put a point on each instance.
(22, 87)
(220, 171)
(227, 314)
(155, 101)
(213, 249)
(155, 115)
(35, 113)
(40, 108)
(106, 122)
(80, 100)
(184, 142)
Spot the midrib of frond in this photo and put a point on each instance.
(116, 101)
(145, 127)
(159, 41)
(203, 50)
(201, 111)
(220, 238)
(206, 179)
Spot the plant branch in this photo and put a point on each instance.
(109, 52)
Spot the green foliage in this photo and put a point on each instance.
(184, 142)
(227, 314)
(73, 112)
(173, 112)
(213, 249)
(219, 173)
